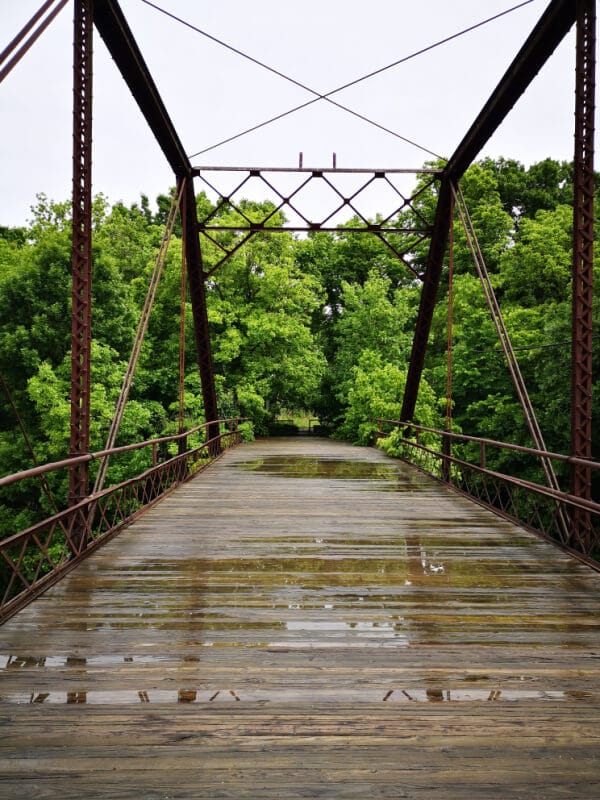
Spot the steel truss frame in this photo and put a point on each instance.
(33, 37)
(553, 25)
(197, 284)
(290, 200)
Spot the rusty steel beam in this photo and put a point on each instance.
(81, 259)
(431, 281)
(552, 27)
(583, 259)
(259, 227)
(113, 28)
(319, 171)
(14, 43)
(197, 285)
(32, 39)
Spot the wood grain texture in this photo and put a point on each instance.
(306, 619)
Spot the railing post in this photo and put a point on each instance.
(183, 469)
(214, 447)
(446, 455)
(182, 445)
(482, 455)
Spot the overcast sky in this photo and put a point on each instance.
(212, 93)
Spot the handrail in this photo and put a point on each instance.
(493, 442)
(549, 511)
(33, 559)
(546, 491)
(117, 487)
(52, 466)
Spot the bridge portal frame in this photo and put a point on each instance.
(110, 22)
(552, 27)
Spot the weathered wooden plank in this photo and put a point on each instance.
(308, 619)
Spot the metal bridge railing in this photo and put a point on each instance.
(35, 558)
(466, 463)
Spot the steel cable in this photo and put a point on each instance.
(32, 39)
(139, 338)
(511, 359)
(328, 95)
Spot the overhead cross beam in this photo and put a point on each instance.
(552, 27)
(289, 198)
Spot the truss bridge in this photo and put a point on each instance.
(299, 617)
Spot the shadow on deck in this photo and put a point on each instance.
(306, 619)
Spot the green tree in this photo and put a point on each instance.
(537, 269)
(261, 307)
(376, 391)
(526, 190)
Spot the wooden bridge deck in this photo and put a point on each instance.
(308, 620)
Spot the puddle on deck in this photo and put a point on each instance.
(366, 695)
(339, 583)
(396, 477)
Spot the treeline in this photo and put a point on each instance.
(321, 324)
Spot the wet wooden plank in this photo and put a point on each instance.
(308, 619)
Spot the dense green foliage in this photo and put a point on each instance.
(321, 325)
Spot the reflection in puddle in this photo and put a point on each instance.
(76, 698)
(363, 695)
(364, 630)
(320, 594)
(16, 662)
(430, 565)
(332, 468)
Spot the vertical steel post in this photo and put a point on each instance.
(196, 282)
(446, 440)
(81, 262)
(583, 241)
(431, 281)
(182, 298)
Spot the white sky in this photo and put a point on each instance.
(212, 93)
